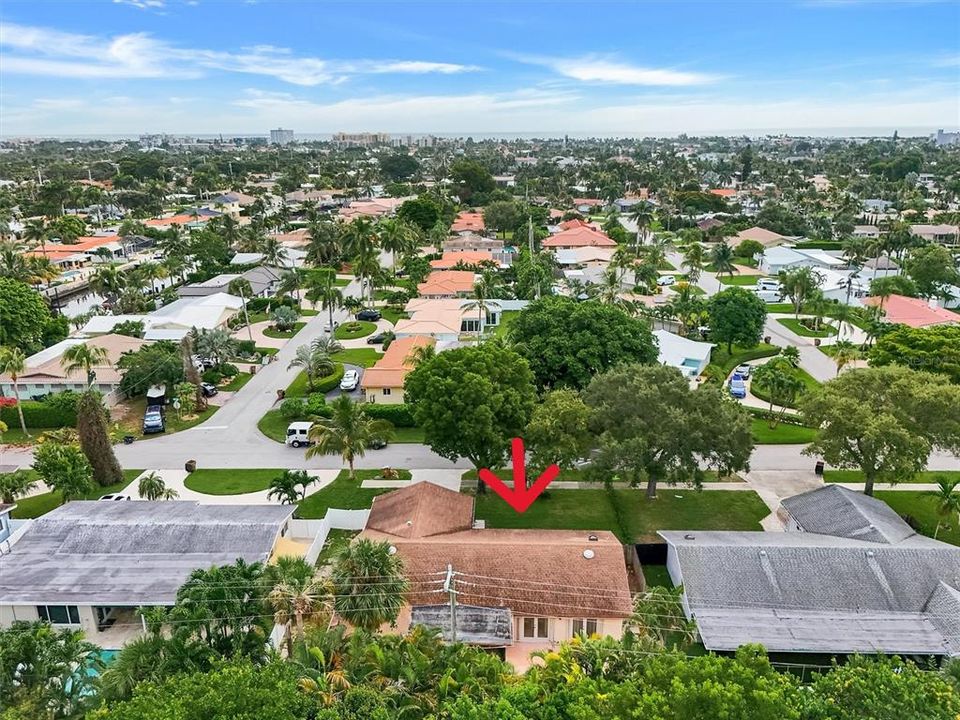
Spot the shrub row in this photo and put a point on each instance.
(330, 382)
(40, 415)
(399, 415)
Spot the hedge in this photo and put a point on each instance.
(399, 415)
(39, 415)
(330, 382)
(819, 245)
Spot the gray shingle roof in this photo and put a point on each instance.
(804, 592)
(131, 553)
(836, 510)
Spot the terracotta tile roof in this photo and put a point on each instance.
(763, 236)
(573, 223)
(577, 202)
(467, 257)
(447, 282)
(546, 573)
(45, 366)
(421, 510)
(723, 192)
(468, 221)
(913, 312)
(176, 220)
(581, 236)
(390, 370)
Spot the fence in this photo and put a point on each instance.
(319, 529)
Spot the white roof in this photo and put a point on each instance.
(674, 349)
(786, 255)
(248, 258)
(105, 323)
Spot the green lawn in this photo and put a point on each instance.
(336, 541)
(722, 363)
(274, 425)
(344, 494)
(657, 575)
(694, 289)
(407, 435)
(782, 434)
(740, 280)
(15, 436)
(779, 308)
(674, 509)
(272, 332)
(799, 328)
(856, 476)
(230, 482)
(307, 312)
(921, 507)
(506, 317)
(506, 474)
(808, 381)
(133, 424)
(299, 387)
(38, 505)
(363, 357)
(392, 314)
(237, 382)
(354, 329)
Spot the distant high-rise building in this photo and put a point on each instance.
(280, 136)
(362, 139)
(946, 138)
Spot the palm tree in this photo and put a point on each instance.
(818, 306)
(693, 256)
(298, 595)
(483, 289)
(883, 288)
(397, 237)
(781, 384)
(15, 484)
(368, 584)
(35, 231)
(13, 361)
(241, 286)
(323, 289)
(347, 432)
(152, 487)
(362, 246)
(721, 257)
(290, 282)
(948, 501)
(86, 357)
(315, 364)
(274, 253)
(642, 215)
(290, 486)
(844, 353)
(216, 345)
(107, 281)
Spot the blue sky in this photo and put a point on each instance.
(207, 66)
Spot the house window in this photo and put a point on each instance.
(585, 626)
(386, 391)
(59, 614)
(535, 628)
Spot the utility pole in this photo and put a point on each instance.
(449, 587)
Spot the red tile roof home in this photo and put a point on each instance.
(468, 222)
(176, 220)
(581, 236)
(723, 192)
(391, 370)
(573, 223)
(465, 257)
(447, 283)
(539, 573)
(591, 202)
(912, 312)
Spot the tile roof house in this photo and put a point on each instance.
(849, 575)
(447, 284)
(913, 312)
(765, 237)
(946, 234)
(468, 222)
(578, 236)
(383, 382)
(90, 564)
(528, 588)
(44, 372)
(463, 257)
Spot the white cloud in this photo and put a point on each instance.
(600, 69)
(143, 4)
(42, 51)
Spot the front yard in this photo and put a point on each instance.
(344, 493)
(272, 332)
(856, 476)
(782, 434)
(130, 419)
(920, 509)
(354, 329)
(809, 384)
(803, 327)
(230, 482)
(38, 505)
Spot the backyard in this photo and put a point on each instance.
(920, 509)
(344, 493)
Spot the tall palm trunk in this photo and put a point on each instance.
(16, 394)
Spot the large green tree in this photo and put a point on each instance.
(156, 364)
(736, 316)
(932, 269)
(471, 401)
(368, 584)
(95, 440)
(63, 467)
(933, 349)
(883, 421)
(24, 316)
(347, 432)
(651, 427)
(567, 342)
(558, 431)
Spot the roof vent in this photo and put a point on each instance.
(592, 538)
(479, 524)
(392, 550)
(588, 554)
(869, 553)
(409, 523)
(763, 553)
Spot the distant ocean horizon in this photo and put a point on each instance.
(852, 132)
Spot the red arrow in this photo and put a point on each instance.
(520, 497)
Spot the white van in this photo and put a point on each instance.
(769, 296)
(297, 433)
(768, 284)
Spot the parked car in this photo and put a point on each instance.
(330, 327)
(738, 387)
(370, 315)
(153, 420)
(743, 370)
(768, 284)
(350, 380)
(376, 444)
(376, 339)
(208, 389)
(115, 496)
(298, 434)
(666, 280)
